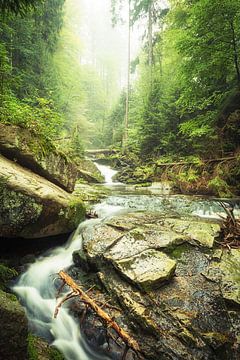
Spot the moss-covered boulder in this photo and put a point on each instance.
(39, 155)
(31, 206)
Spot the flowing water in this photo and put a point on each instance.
(37, 288)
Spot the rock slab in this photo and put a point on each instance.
(33, 207)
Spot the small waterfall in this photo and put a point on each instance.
(37, 290)
(107, 172)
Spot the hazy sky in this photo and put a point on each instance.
(105, 46)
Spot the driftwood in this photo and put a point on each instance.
(92, 304)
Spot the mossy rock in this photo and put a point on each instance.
(39, 349)
(6, 274)
(14, 329)
(31, 206)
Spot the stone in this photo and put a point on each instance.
(172, 317)
(90, 194)
(33, 207)
(226, 271)
(39, 155)
(202, 232)
(14, 328)
(148, 269)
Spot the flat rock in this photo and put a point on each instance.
(185, 316)
(147, 270)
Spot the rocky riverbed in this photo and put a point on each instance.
(155, 264)
(178, 290)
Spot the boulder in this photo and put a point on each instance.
(33, 207)
(39, 155)
(179, 296)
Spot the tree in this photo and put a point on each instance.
(18, 6)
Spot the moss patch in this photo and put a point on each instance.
(6, 274)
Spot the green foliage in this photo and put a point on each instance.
(187, 101)
(37, 115)
(220, 187)
(17, 6)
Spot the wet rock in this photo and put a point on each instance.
(148, 270)
(89, 193)
(33, 207)
(186, 317)
(225, 270)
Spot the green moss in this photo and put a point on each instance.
(6, 274)
(54, 354)
(220, 187)
(17, 209)
(178, 251)
(77, 211)
(31, 348)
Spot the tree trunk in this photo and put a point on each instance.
(235, 51)
(125, 132)
(150, 35)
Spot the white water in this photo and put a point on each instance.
(107, 172)
(37, 289)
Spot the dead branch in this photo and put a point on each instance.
(230, 228)
(77, 291)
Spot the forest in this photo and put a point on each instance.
(181, 99)
(119, 179)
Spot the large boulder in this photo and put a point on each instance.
(39, 155)
(179, 296)
(33, 207)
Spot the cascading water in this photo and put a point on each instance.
(37, 292)
(36, 287)
(107, 172)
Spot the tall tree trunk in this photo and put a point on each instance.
(235, 51)
(150, 34)
(125, 133)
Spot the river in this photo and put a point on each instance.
(37, 287)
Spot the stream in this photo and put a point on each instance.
(37, 287)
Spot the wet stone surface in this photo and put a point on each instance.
(185, 315)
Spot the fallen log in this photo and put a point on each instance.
(88, 301)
